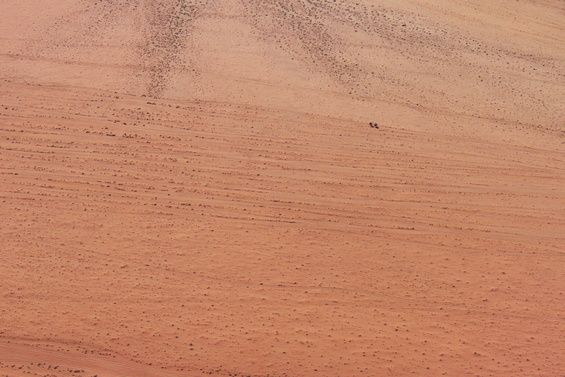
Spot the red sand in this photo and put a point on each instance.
(193, 188)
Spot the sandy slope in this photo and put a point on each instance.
(193, 187)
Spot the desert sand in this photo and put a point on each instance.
(194, 188)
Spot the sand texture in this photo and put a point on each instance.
(274, 188)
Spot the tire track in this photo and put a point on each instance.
(157, 32)
(320, 45)
(166, 36)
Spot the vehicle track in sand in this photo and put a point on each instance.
(156, 32)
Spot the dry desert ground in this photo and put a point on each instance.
(274, 188)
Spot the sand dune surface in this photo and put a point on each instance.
(282, 188)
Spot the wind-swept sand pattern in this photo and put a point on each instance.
(194, 188)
